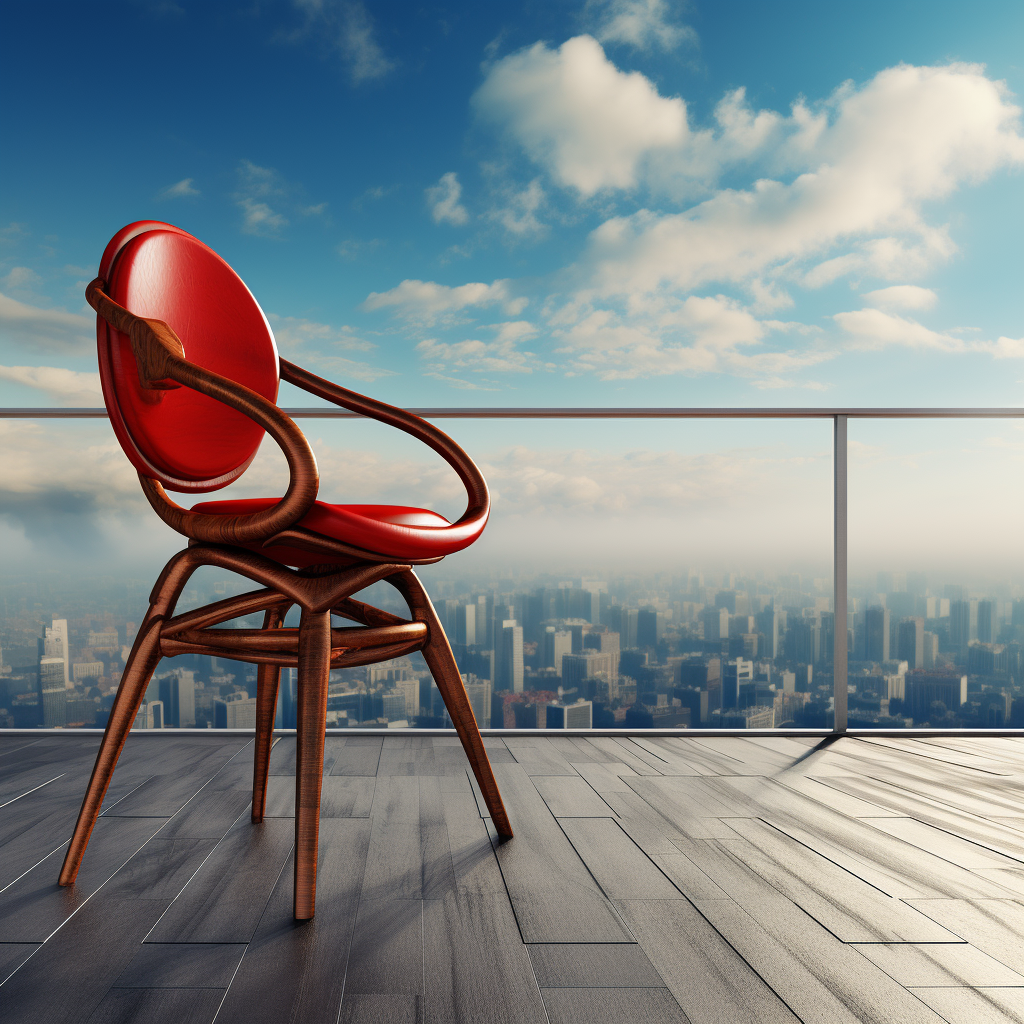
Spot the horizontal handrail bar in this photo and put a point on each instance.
(594, 413)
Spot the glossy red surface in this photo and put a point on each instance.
(187, 441)
(392, 530)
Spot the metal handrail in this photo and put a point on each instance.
(839, 416)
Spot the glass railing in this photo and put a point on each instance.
(643, 569)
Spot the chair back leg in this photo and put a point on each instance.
(439, 658)
(313, 675)
(268, 678)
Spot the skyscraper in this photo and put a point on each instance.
(54, 644)
(52, 692)
(178, 696)
(876, 634)
(465, 624)
(910, 646)
(986, 622)
(556, 643)
(960, 626)
(508, 667)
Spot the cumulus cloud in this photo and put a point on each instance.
(48, 329)
(427, 300)
(642, 24)
(588, 124)
(69, 387)
(179, 190)
(498, 356)
(443, 199)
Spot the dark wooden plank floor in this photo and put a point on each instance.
(697, 879)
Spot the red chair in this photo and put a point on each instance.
(190, 373)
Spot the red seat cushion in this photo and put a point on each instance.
(392, 530)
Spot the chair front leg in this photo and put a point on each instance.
(441, 662)
(313, 674)
(141, 665)
(267, 681)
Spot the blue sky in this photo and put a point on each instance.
(623, 202)
(603, 202)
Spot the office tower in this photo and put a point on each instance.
(624, 621)
(734, 674)
(479, 693)
(287, 697)
(931, 649)
(54, 644)
(409, 690)
(649, 627)
(484, 609)
(235, 712)
(500, 613)
(986, 622)
(509, 657)
(465, 624)
(150, 716)
(960, 626)
(590, 664)
(178, 696)
(910, 647)
(607, 642)
(556, 643)
(803, 641)
(876, 634)
(726, 599)
(716, 623)
(767, 623)
(569, 716)
(925, 688)
(52, 692)
(393, 706)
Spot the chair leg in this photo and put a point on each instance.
(142, 663)
(267, 680)
(441, 662)
(314, 672)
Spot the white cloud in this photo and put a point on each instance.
(20, 279)
(256, 186)
(443, 199)
(692, 336)
(427, 300)
(313, 344)
(350, 27)
(638, 23)
(69, 387)
(909, 136)
(498, 356)
(51, 329)
(260, 219)
(519, 214)
(873, 329)
(180, 190)
(902, 296)
(588, 124)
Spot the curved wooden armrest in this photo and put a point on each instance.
(476, 487)
(160, 357)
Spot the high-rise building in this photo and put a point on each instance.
(465, 624)
(151, 716)
(556, 643)
(178, 696)
(52, 692)
(409, 690)
(54, 644)
(931, 649)
(649, 627)
(910, 646)
(236, 712)
(716, 623)
(479, 693)
(986, 622)
(960, 626)
(508, 667)
(606, 641)
(569, 716)
(590, 664)
(876, 634)
(767, 623)
(734, 674)
(925, 688)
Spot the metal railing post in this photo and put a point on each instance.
(839, 636)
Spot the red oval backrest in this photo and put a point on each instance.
(187, 441)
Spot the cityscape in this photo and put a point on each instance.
(685, 650)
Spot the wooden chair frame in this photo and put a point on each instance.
(314, 648)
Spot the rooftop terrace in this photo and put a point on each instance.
(651, 879)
